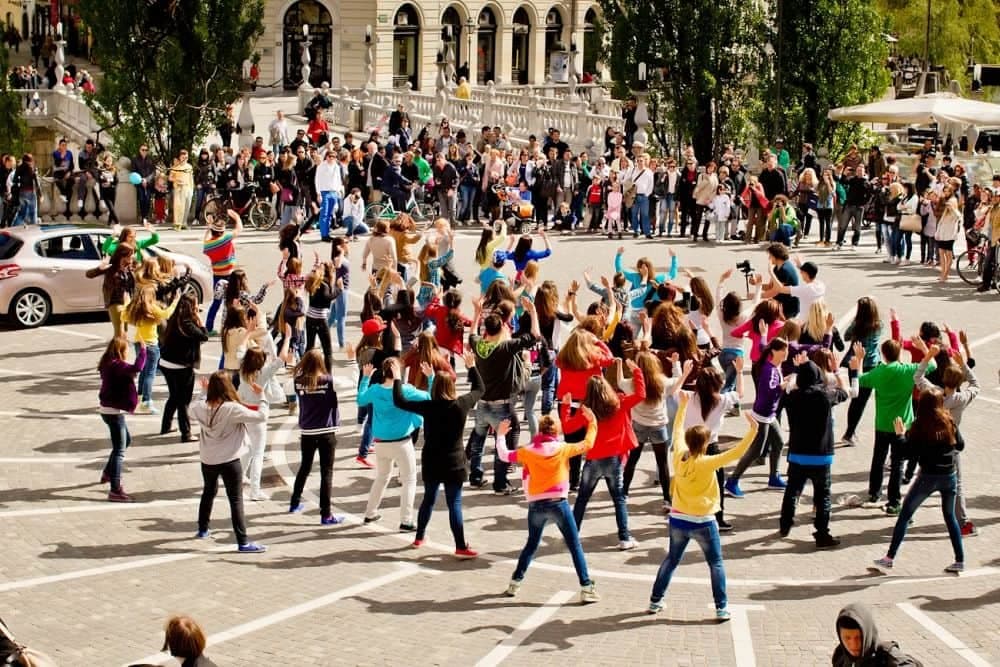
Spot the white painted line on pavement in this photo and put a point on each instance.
(739, 626)
(74, 332)
(988, 399)
(405, 570)
(950, 640)
(96, 507)
(98, 571)
(978, 572)
(46, 460)
(985, 339)
(503, 650)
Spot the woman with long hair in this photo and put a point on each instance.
(425, 351)
(381, 248)
(552, 324)
(932, 439)
(323, 288)
(827, 196)
(118, 285)
(240, 332)
(949, 222)
(523, 253)
(257, 371)
(695, 502)
(449, 323)
(767, 312)
(866, 328)
(731, 315)
(490, 242)
(180, 355)
(342, 272)
(118, 397)
(223, 421)
(146, 314)
(442, 459)
(319, 418)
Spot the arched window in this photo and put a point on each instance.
(486, 45)
(591, 42)
(451, 18)
(520, 47)
(406, 47)
(317, 17)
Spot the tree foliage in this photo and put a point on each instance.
(708, 53)
(832, 54)
(960, 30)
(171, 66)
(13, 129)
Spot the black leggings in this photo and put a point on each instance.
(319, 327)
(662, 471)
(856, 409)
(825, 217)
(767, 436)
(232, 476)
(720, 476)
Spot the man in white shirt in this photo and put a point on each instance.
(642, 177)
(807, 292)
(278, 129)
(330, 178)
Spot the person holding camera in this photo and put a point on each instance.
(782, 275)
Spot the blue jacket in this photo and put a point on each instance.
(388, 421)
(635, 280)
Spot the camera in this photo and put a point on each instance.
(745, 267)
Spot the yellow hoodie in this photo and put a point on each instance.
(693, 488)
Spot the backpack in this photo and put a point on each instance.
(594, 194)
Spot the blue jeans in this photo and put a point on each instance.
(529, 397)
(453, 496)
(120, 440)
(213, 310)
(726, 359)
(466, 198)
(610, 470)
(365, 417)
(667, 213)
(707, 537)
(144, 197)
(354, 227)
(26, 210)
(487, 416)
(923, 486)
(148, 372)
(338, 315)
(328, 205)
(896, 243)
(640, 214)
(550, 378)
(541, 512)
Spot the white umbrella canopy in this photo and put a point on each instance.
(938, 108)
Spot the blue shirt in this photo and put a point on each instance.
(636, 280)
(487, 276)
(388, 421)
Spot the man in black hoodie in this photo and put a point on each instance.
(810, 447)
(859, 644)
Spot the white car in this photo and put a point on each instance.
(43, 272)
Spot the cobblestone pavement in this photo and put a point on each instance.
(92, 582)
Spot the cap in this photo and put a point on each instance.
(372, 326)
(499, 257)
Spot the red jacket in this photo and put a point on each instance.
(445, 336)
(574, 382)
(615, 436)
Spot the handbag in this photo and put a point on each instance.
(910, 222)
(287, 195)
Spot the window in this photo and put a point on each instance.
(70, 246)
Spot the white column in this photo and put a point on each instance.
(537, 67)
(471, 49)
(504, 55)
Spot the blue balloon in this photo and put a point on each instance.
(134, 178)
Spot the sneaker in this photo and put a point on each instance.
(955, 568)
(827, 542)
(512, 588)
(654, 608)
(725, 526)
(466, 553)
(502, 492)
(892, 510)
(969, 529)
(372, 519)
(252, 548)
(417, 543)
(733, 489)
(212, 333)
(588, 594)
(883, 563)
(627, 545)
(202, 534)
(872, 501)
(478, 484)
(332, 520)
(850, 441)
(296, 509)
(722, 614)
(776, 482)
(143, 409)
(407, 528)
(363, 462)
(259, 496)
(120, 496)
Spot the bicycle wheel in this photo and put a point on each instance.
(262, 215)
(970, 270)
(423, 212)
(213, 206)
(373, 212)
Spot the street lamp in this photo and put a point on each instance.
(306, 58)
(470, 25)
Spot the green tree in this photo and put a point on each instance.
(170, 66)
(707, 54)
(960, 30)
(828, 53)
(13, 129)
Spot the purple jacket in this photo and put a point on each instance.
(765, 405)
(118, 383)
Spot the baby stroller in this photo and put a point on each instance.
(518, 211)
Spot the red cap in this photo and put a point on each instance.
(372, 326)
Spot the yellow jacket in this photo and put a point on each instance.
(693, 487)
(145, 331)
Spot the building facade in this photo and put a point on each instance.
(504, 41)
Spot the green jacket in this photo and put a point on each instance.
(423, 169)
(893, 385)
(111, 244)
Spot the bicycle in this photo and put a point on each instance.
(260, 212)
(971, 262)
(384, 210)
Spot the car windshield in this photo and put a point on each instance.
(9, 245)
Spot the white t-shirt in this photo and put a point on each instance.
(807, 294)
(714, 421)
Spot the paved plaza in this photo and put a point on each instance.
(92, 582)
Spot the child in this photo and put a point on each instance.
(613, 213)
(595, 200)
(858, 641)
(118, 398)
(564, 219)
(720, 210)
(160, 200)
(256, 372)
(616, 439)
(354, 215)
(546, 463)
(430, 271)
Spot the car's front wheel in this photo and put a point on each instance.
(31, 308)
(194, 289)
